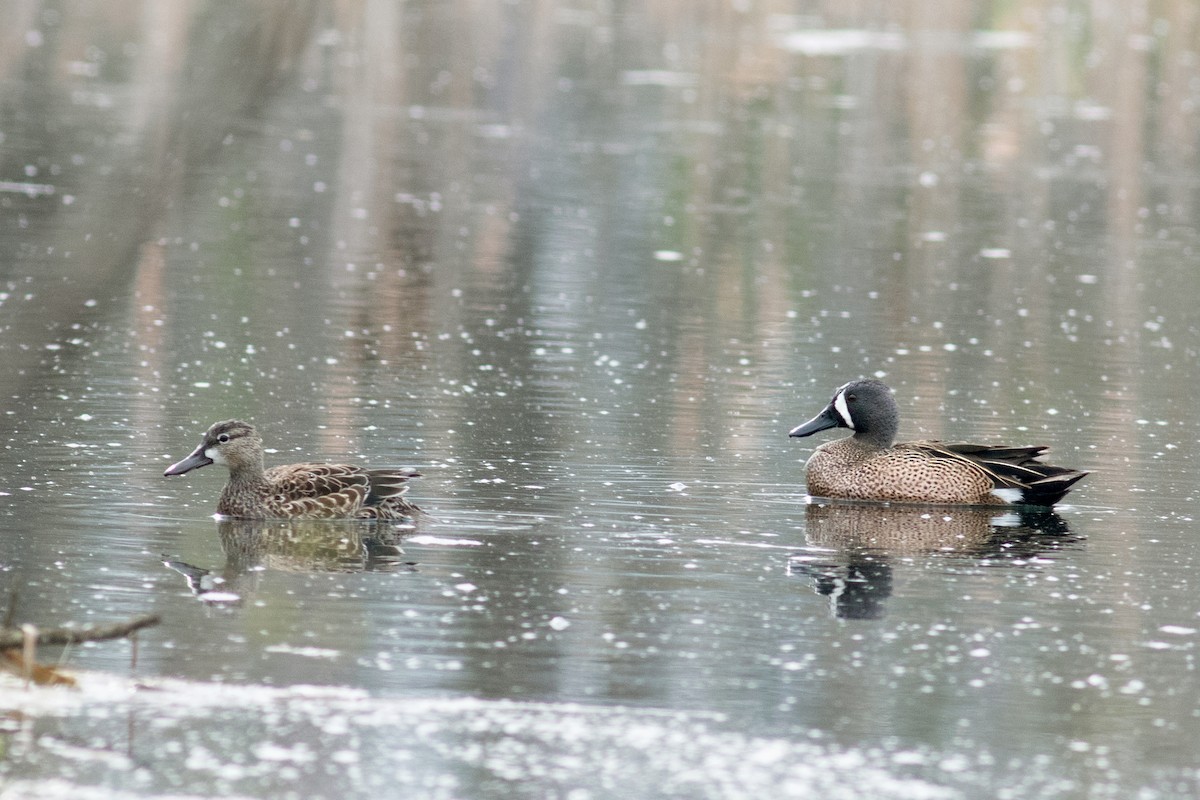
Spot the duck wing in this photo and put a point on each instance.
(386, 498)
(339, 490)
(322, 491)
(388, 484)
(1017, 468)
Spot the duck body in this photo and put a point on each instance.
(295, 491)
(869, 465)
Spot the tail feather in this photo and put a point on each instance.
(1051, 489)
(388, 486)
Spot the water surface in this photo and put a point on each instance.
(585, 267)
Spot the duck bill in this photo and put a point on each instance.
(196, 460)
(826, 419)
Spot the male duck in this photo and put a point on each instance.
(295, 491)
(868, 466)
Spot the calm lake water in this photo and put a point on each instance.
(585, 266)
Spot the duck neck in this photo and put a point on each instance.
(248, 473)
(879, 436)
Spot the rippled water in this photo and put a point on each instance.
(585, 269)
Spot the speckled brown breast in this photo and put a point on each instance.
(846, 469)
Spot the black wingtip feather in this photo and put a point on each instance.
(1050, 490)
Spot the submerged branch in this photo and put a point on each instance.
(15, 637)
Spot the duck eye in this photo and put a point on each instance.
(851, 398)
(223, 438)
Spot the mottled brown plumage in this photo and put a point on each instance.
(295, 491)
(868, 466)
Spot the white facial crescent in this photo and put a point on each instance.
(843, 410)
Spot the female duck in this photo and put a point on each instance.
(295, 491)
(869, 466)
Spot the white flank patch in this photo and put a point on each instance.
(843, 410)
(1009, 495)
(215, 455)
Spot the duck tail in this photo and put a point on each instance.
(1049, 490)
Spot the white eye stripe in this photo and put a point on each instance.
(843, 410)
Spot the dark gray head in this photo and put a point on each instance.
(865, 407)
(233, 443)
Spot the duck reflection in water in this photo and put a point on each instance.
(855, 545)
(254, 546)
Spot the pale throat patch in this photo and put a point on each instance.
(215, 455)
(843, 410)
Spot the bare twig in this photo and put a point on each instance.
(15, 637)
